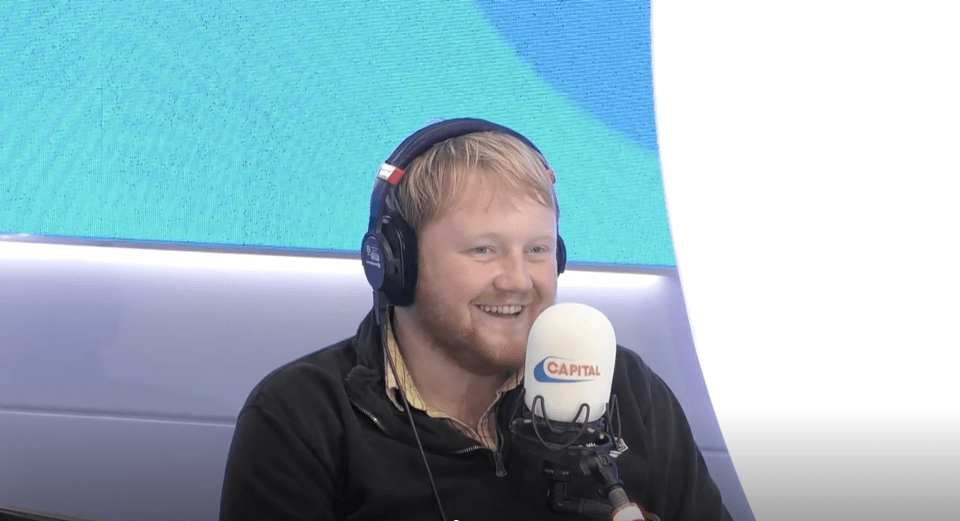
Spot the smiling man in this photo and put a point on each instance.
(407, 420)
(487, 268)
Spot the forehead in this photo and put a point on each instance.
(483, 190)
(486, 210)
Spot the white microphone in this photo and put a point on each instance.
(571, 351)
(571, 355)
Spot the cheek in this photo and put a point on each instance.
(452, 283)
(545, 279)
(467, 276)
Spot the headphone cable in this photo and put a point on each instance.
(406, 406)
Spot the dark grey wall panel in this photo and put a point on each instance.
(106, 468)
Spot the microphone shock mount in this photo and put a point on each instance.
(585, 448)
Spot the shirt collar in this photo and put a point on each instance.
(403, 381)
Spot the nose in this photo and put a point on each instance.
(514, 274)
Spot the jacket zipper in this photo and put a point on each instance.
(497, 454)
(370, 415)
(498, 459)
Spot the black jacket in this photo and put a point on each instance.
(318, 439)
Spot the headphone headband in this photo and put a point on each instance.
(421, 141)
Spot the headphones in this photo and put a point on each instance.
(389, 248)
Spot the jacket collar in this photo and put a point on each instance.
(365, 387)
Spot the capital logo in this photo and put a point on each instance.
(554, 369)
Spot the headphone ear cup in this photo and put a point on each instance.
(561, 255)
(373, 255)
(399, 281)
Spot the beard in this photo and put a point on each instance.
(451, 330)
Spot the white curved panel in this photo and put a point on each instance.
(811, 177)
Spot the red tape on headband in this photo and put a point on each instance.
(390, 174)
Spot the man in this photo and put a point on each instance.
(408, 419)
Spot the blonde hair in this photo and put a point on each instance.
(435, 180)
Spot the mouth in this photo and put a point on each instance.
(509, 311)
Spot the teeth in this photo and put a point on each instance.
(502, 310)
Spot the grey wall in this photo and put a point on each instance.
(122, 370)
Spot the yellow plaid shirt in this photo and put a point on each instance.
(484, 432)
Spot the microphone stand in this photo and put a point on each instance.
(586, 450)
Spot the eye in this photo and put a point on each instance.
(537, 250)
(481, 249)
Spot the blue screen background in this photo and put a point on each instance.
(258, 123)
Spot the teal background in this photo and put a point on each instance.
(258, 123)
